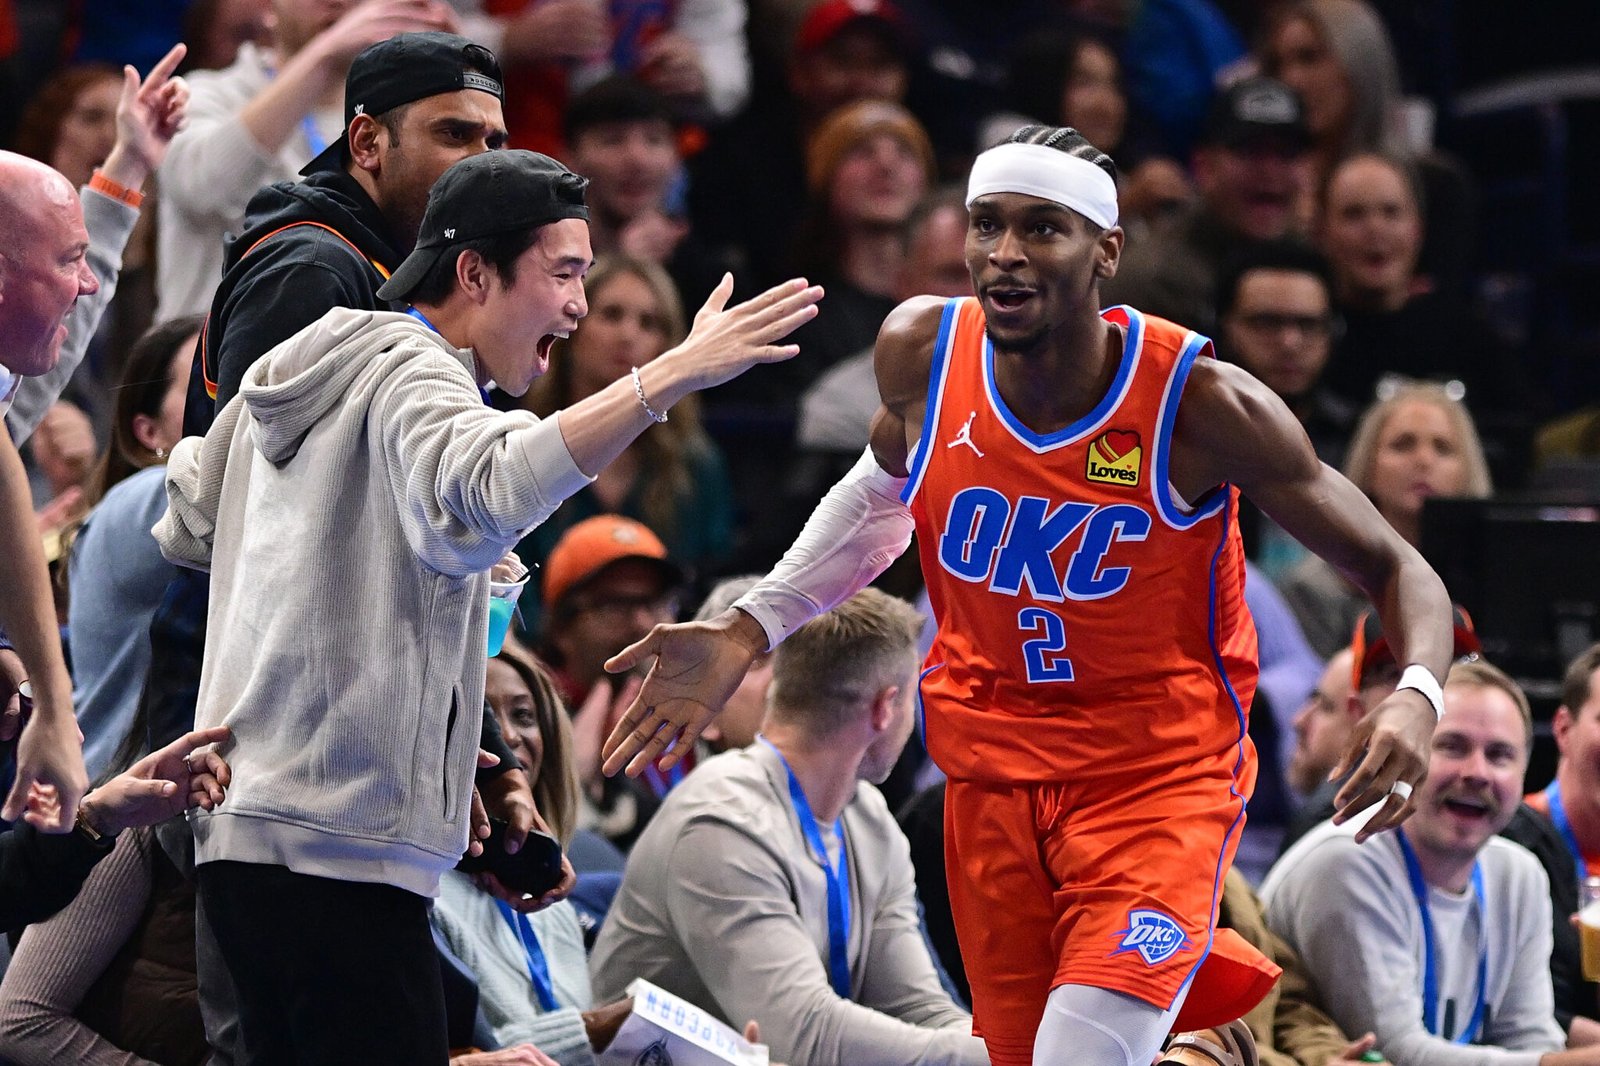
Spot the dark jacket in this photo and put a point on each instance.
(41, 873)
(273, 288)
(1574, 995)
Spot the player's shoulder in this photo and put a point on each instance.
(903, 355)
(1161, 332)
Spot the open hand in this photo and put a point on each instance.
(727, 341)
(696, 667)
(671, 65)
(1390, 744)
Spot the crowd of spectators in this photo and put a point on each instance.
(1291, 185)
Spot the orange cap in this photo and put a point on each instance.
(594, 544)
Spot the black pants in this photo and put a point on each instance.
(327, 971)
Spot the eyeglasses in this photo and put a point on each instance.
(1273, 322)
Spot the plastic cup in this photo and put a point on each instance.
(1589, 928)
(503, 596)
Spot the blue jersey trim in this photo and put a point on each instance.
(917, 464)
(1132, 345)
(922, 710)
(1244, 729)
(1161, 478)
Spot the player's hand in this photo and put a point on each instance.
(1390, 744)
(696, 667)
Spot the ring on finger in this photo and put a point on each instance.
(1401, 789)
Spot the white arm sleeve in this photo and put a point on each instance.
(858, 529)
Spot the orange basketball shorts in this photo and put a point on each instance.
(1111, 884)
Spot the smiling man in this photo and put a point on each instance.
(1073, 479)
(359, 484)
(1436, 937)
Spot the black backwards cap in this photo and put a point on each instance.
(1254, 110)
(408, 67)
(505, 191)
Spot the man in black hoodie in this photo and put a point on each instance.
(414, 104)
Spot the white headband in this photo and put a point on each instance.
(1034, 170)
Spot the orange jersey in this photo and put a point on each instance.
(1090, 624)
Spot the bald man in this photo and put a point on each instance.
(46, 267)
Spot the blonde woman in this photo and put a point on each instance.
(1417, 442)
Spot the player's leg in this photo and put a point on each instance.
(1140, 865)
(1083, 1024)
(1003, 904)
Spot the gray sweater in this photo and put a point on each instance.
(1349, 911)
(723, 905)
(349, 503)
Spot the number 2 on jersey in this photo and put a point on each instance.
(1044, 654)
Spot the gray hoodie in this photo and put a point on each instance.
(349, 503)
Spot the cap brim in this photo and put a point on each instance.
(404, 281)
(330, 158)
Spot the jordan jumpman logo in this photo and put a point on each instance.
(964, 436)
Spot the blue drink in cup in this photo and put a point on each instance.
(503, 596)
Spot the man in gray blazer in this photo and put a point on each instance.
(774, 884)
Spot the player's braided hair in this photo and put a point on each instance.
(1065, 139)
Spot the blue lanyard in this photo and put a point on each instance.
(838, 880)
(538, 968)
(1558, 817)
(1430, 972)
(420, 317)
(313, 136)
(662, 783)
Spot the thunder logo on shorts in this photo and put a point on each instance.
(1153, 935)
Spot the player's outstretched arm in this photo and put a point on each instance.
(858, 529)
(1233, 428)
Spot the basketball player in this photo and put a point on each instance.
(1073, 479)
